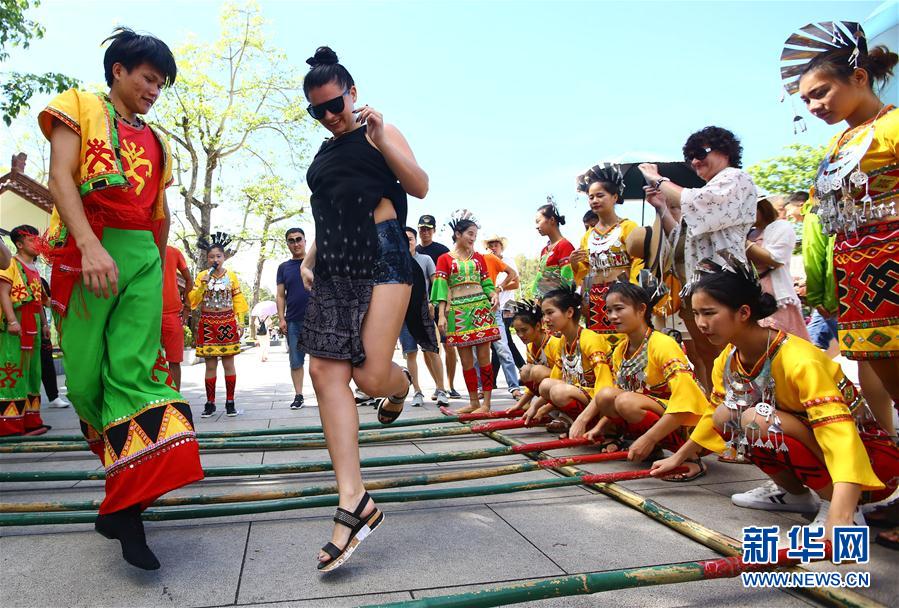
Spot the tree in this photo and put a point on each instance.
(16, 30)
(527, 271)
(792, 172)
(270, 201)
(235, 100)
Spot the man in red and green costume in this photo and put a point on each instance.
(108, 173)
(22, 325)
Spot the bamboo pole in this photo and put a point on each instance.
(510, 413)
(288, 430)
(311, 442)
(311, 466)
(595, 582)
(397, 482)
(720, 543)
(308, 502)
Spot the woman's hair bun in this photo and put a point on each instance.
(324, 55)
(880, 62)
(767, 306)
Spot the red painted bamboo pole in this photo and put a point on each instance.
(567, 461)
(481, 415)
(498, 425)
(555, 444)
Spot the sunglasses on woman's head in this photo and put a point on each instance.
(334, 106)
(699, 154)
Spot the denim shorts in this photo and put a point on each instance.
(296, 356)
(822, 330)
(394, 262)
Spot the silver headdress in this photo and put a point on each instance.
(460, 215)
(814, 40)
(217, 239)
(603, 172)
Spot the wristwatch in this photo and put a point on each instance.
(658, 182)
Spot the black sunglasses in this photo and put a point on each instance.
(334, 106)
(295, 241)
(699, 154)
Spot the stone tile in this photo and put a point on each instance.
(336, 601)
(714, 510)
(474, 545)
(578, 533)
(200, 567)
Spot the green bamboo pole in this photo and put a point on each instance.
(289, 430)
(309, 442)
(313, 442)
(308, 502)
(720, 543)
(416, 480)
(593, 582)
(397, 482)
(314, 466)
(311, 466)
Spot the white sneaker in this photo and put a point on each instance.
(858, 518)
(60, 402)
(771, 497)
(418, 400)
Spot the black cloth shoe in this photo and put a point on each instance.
(297, 403)
(230, 409)
(126, 527)
(209, 410)
(454, 394)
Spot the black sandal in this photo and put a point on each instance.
(359, 528)
(386, 416)
(684, 477)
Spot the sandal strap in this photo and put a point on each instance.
(332, 550)
(361, 506)
(344, 517)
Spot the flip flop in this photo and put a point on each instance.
(684, 477)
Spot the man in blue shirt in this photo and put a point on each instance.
(291, 300)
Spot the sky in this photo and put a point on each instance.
(502, 102)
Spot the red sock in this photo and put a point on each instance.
(230, 381)
(487, 378)
(210, 389)
(798, 459)
(471, 380)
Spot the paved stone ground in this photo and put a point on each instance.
(423, 549)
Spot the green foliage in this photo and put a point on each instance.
(269, 201)
(792, 172)
(527, 271)
(16, 30)
(17, 89)
(238, 102)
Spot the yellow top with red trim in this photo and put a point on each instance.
(812, 387)
(21, 291)
(881, 160)
(238, 300)
(92, 117)
(668, 376)
(584, 363)
(606, 248)
(546, 353)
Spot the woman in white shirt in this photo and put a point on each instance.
(714, 218)
(771, 252)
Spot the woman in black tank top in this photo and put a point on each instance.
(359, 270)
